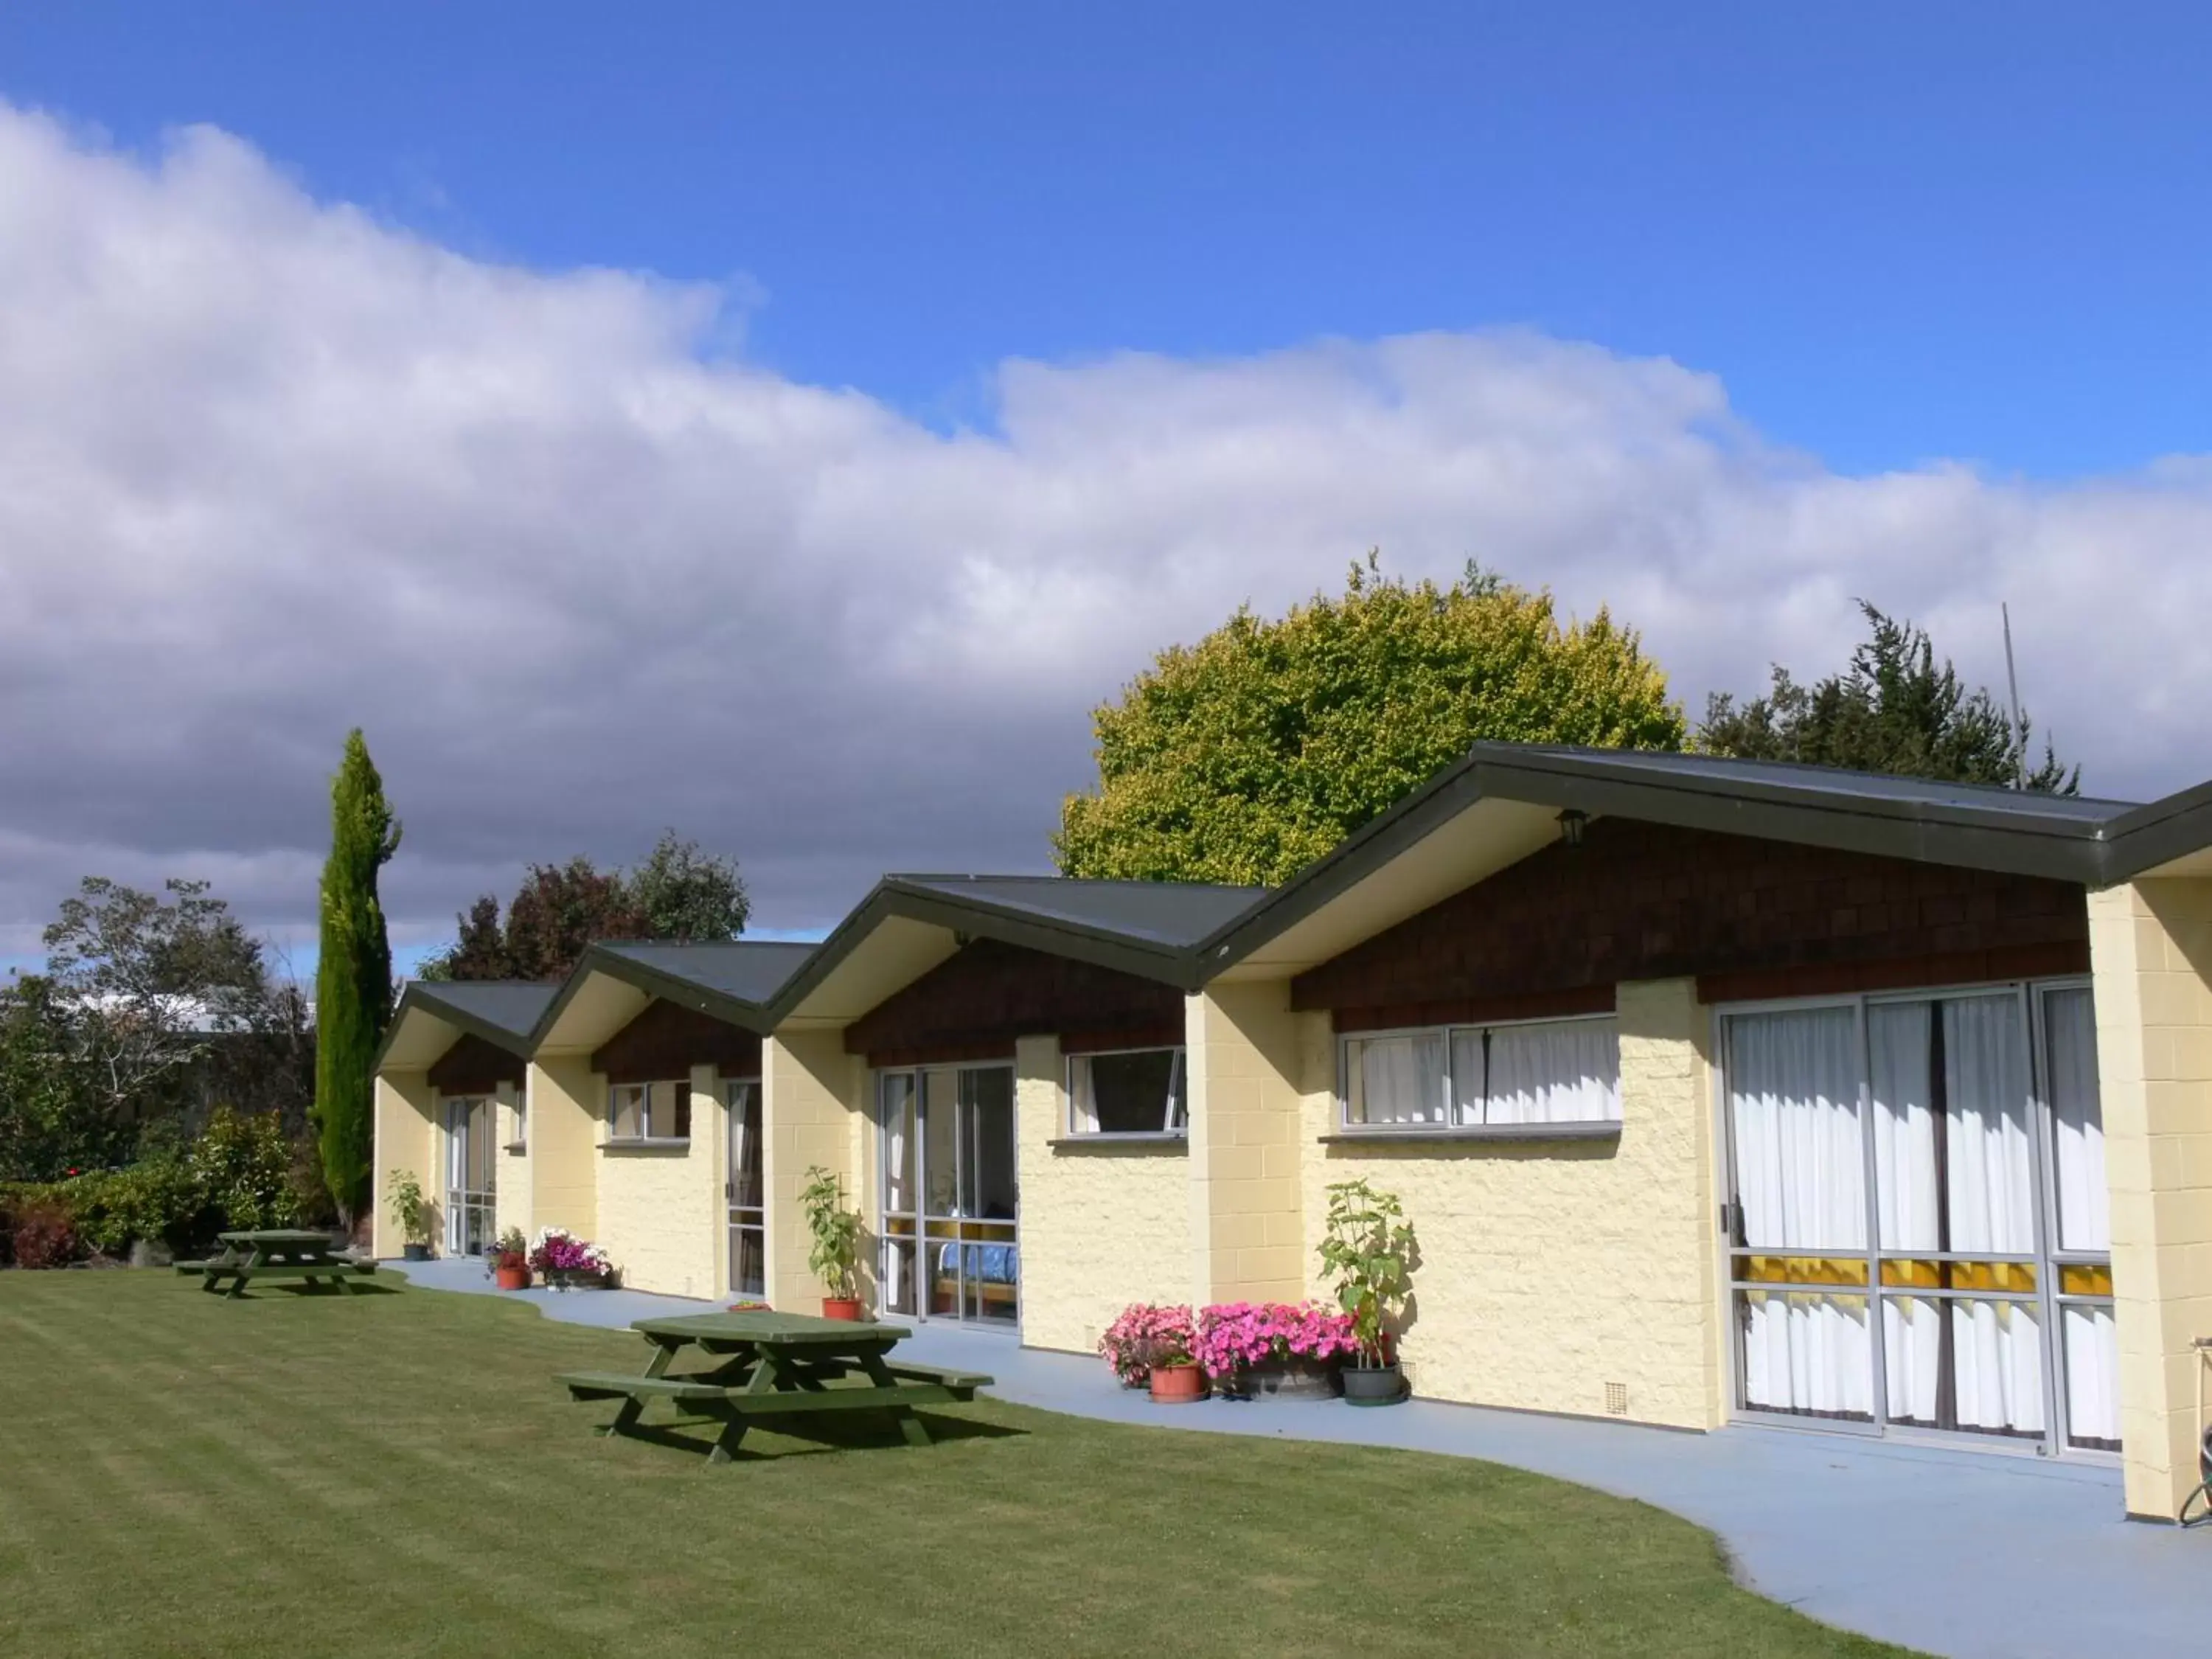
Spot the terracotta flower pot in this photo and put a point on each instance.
(511, 1279)
(1182, 1384)
(841, 1307)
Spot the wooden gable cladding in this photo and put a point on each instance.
(666, 1040)
(975, 1003)
(473, 1066)
(1747, 917)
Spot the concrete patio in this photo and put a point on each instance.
(1978, 1555)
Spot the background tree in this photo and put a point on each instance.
(679, 892)
(353, 978)
(153, 1010)
(149, 984)
(1246, 756)
(1891, 710)
(683, 893)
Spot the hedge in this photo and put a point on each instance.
(240, 1173)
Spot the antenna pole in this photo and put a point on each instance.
(2019, 728)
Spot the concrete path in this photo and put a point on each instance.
(1976, 1555)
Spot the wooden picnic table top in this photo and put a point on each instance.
(771, 1329)
(279, 1236)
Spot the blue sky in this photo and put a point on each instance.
(788, 424)
(1896, 231)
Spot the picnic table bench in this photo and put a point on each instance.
(772, 1364)
(279, 1255)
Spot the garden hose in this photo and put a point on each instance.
(2201, 1500)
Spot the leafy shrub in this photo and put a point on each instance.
(238, 1174)
(244, 1169)
(44, 1236)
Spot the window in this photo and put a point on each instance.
(520, 1140)
(1917, 1226)
(1465, 1077)
(650, 1111)
(1135, 1091)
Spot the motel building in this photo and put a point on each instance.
(1715, 1091)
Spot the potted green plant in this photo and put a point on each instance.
(412, 1211)
(835, 1257)
(1367, 1249)
(509, 1263)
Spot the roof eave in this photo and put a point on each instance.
(895, 898)
(600, 958)
(2065, 850)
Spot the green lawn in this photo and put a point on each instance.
(396, 1475)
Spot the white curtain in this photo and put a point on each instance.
(1801, 1178)
(744, 1169)
(1083, 1099)
(1991, 1188)
(1399, 1080)
(898, 1156)
(1997, 1358)
(1171, 1116)
(2084, 1202)
(1807, 1352)
(1794, 1096)
(1913, 1355)
(2092, 1373)
(1564, 1072)
(1905, 1192)
(1467, 1078)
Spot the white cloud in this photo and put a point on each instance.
(268, 469)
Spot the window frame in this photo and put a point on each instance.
(648, 1138)
(1348, 1127)
(1179, 1073)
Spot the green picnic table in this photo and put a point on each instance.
(280, 1254)
(774, 1365)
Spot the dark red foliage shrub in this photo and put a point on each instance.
(44, 1236)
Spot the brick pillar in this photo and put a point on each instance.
(1244, 1056)
(2150, 947)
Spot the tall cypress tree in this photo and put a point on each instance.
(353, 978)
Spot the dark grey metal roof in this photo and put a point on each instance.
(1730, 774)
(1170, 913)
(1149, 928)
(731, 979)
(749, 970)
(502, 1011)
(511, 1005)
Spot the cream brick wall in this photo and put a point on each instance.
(567, 1108)
(1247, 1062)
(1101, 1226)
(658, 1204)
(811, 1089)
(404, 1142)
(2150, 947)
(1547, 1270)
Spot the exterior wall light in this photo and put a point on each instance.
(1571, 826)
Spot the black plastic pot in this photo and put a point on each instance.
(1373, 1385)
(414, 1252)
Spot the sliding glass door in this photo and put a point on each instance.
(951, 1244)
(1918, 1204)
(743, 1190)
(471, 1170)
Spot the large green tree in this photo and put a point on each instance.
(353, 978)
(1246, 756)
(679, 892)
(1891, 709)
